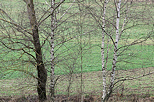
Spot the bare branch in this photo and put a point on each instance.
(125, 79)
(15, 25)
(40, 21)
(28, 54)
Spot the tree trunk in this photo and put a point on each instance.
(53, 24)
(115, 47)
(42, 74)
(102, 51)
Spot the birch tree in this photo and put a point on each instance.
(53, 21)
(112, 27)
(54, 27)
(115, 55)
(102, 50)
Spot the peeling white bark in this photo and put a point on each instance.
(102, 51)
(53, 23)
(115, 47)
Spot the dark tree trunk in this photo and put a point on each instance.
(42, 74)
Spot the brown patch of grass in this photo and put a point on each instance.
(92, 86)
(77, 98)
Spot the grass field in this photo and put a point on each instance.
(137, 56)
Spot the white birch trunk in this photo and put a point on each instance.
(115, 47)
(53, 23)
(102, 51)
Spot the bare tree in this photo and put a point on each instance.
(114, 26)
(102, 50)
(27, 38)
(42, 74)
(56, 37)
(53, 25)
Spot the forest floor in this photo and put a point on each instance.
(77, 98)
